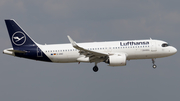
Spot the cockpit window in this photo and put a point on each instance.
(165, 45)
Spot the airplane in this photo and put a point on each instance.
(114, 53)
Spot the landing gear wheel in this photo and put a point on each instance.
(95, 69)
(154, 66)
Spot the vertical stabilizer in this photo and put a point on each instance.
(19, 38)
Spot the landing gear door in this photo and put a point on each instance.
(39, 52)
(153, 47)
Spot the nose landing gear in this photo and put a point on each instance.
(154, 66)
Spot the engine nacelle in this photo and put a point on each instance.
(116, 60)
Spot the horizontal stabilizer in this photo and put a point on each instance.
(18, 51)
(11, 51)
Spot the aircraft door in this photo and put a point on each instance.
(39, 52)
(153, 47)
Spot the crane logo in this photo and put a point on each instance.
(18, 38)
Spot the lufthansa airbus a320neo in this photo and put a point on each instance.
(114, 53)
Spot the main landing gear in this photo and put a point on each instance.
(154, 66)
(95, 68)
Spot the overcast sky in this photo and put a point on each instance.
(50, 21)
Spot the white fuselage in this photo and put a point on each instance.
(65, 53)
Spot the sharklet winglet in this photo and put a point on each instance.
(74, 44)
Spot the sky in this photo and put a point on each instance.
(50, 21)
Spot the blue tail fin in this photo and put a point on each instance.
(19, 38)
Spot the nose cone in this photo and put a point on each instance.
(173, 50)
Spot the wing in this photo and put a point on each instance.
(94, 56)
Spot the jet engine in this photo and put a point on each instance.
(116, 60)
